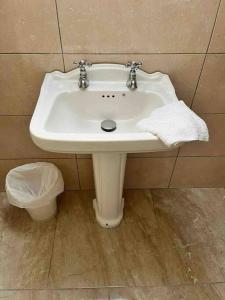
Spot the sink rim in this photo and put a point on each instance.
(40, 134)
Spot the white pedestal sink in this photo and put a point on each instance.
(68, 120)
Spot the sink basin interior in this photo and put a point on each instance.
(68, 119)
(74, 112)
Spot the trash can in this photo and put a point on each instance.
(35, 187)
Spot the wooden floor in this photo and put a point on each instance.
(170, 245)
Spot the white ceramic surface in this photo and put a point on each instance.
(67, 119)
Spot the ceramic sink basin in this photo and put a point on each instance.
(67, 119)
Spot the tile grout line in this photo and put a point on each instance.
(60, 37)
(152, 157)
(174, 166)
(114, 53)
(35, 158)
(89, 158)
(19, 115)
(214, 25)
(29, 53)
(115, 287)
(197, 84)
(142, 189)
(206, 53)
(137, 53)
(78, 174)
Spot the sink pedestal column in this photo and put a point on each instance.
(109, 171)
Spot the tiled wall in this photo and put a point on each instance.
(185, 39)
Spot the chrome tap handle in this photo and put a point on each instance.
(82, 63)
(133, 65)
(83, 81)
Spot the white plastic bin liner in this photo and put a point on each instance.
(33, 185)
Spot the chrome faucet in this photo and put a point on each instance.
(132, 81)
(83, 82)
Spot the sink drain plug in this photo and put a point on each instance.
(108, 125)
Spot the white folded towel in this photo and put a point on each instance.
(175, 123)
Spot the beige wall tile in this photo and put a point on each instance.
(67, 166)
(217, 44)
(21, 76)
(69, 171)
(183, 69)
(85, 169)
(172, 153)
(156, 172)
(148, 172)
(210, 93)
(136, 26)
(29, 26)
(199, 172)
(16, 141)
(216, 144)
(83, 155)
